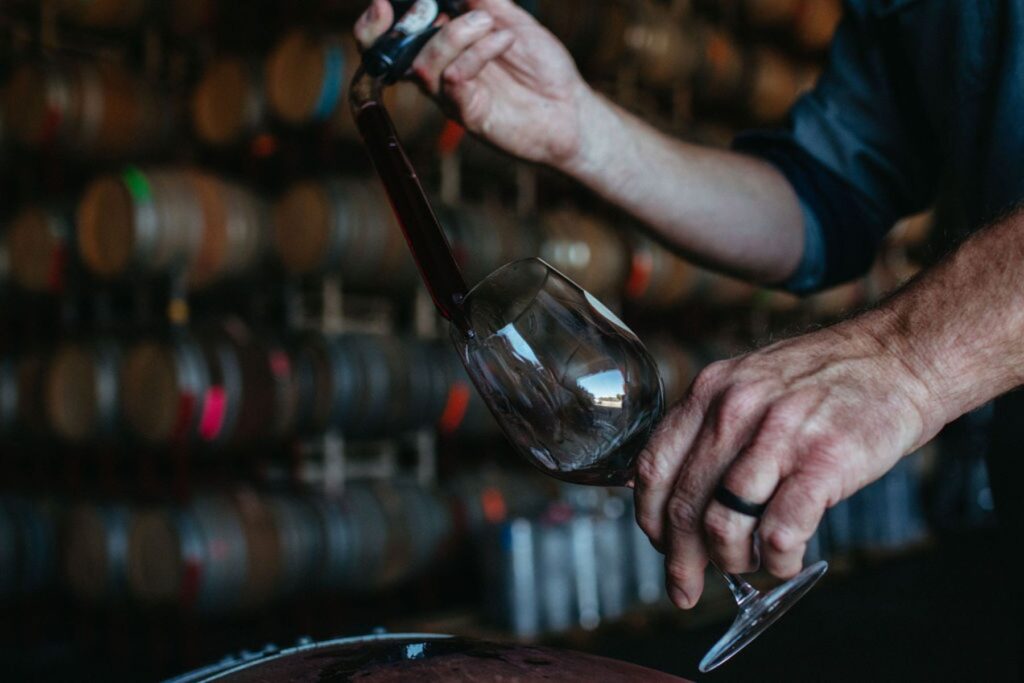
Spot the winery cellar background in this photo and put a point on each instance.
(228, 413)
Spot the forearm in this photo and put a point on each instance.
(724, 209)
(960, 326)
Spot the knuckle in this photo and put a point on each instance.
(682, 514)
(720, 529)
(651, 469)
(451, 77)
(707, 380)
(780, 541)
(737, 403)
(782, 417)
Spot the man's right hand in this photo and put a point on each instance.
(503, 75)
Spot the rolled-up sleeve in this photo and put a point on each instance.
(851, 155)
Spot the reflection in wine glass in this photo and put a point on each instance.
(573, 388)
(577, 394)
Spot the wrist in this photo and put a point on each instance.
(596, 123)
(949, 375)
(904, 368)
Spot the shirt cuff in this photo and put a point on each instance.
(810, 273)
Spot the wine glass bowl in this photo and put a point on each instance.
(572, 387)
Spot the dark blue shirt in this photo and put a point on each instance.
(920, 99)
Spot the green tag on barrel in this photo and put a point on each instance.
(137, 184)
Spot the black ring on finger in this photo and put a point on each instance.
(738, 504)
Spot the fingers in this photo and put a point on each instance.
(373, 22)
(469, 64)
(753, 476)
(506, 12)
(735, 416)
(790, 521)
(451, 41)
(658, 465)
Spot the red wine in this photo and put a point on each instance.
(423, 232)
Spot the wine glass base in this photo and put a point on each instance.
(759, 613)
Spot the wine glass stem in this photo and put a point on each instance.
(742, 591)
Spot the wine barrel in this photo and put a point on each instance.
(574, 22)
(912, 230)
(307, 76)
(465, 413)
(81, 392)
(8, 394)
(344, 226)
(839, 300)
(816, 22)
(32, 551)
(585, 249)
(659, 279)
(774, 85)
(312, 371)
(355, 529)
(486, 237)
(95, 551)
(222, 387)
(372, 385)
(187, 389)
(5, 261)
(777, 300)
(267, 365)
(102, 13)
(156, 222)
(236, 231)
(421, 657)
(891, 270)
(195, 555)
(419, 527)
(38, 246)
(414, 115)
(228, 104)
(770, 14)
(380, 534)
(265, 562)
(726, 291)
(492, 496)
(266, 391)
(379, 368)
(188, 17)
(677, 365)
(148, 221)
(31, 371)
(665, 52)
(719, 77)
(97, 109)
(302, 543)
(8, 552)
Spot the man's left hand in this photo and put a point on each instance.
(798, 425)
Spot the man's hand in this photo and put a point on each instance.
(506, 77)
(798, 425)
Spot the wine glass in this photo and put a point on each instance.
(577, 394)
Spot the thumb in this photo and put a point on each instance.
(373, 22)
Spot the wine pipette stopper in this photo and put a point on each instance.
(392, 55)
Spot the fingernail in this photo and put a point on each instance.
(478, 18)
